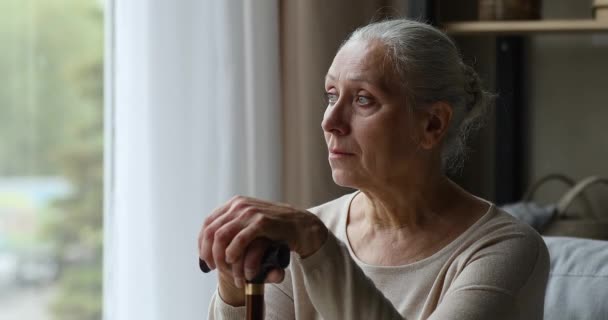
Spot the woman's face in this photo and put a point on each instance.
(367, 126)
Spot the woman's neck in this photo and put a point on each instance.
(395, 228)
(407, 206)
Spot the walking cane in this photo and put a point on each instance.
(275, 257)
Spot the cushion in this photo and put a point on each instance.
(534, 214)
(578, 280)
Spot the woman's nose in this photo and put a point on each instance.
(336, 119)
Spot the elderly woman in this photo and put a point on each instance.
(409, 243)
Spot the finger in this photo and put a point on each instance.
(237, 273)
(205, 235)
(275, 276)
(239, 244)
(241, 208)
(235, 201)
(264, 203)
(253, 257)
(221, 240)
(216, 213)
(204, 248)
(209, 235)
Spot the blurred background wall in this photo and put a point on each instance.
(566, 77)
(568, 100)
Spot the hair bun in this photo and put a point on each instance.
(472, 87)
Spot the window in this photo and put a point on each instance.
(51, 159)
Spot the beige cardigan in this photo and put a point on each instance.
(497, 269)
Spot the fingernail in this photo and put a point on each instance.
(239, 283)
(203, 266)
(249, 274)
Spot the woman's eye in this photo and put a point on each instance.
(363, 100)
(332, 98)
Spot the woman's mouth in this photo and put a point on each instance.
(338, 154)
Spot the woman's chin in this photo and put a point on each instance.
(343, 178)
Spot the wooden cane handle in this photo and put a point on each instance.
(275, 257)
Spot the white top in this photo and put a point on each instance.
(496, 269)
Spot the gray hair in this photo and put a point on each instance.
(431, 69)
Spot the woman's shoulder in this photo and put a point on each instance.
(331, 212)
(499, 222)
(502, 253)
(505, 235)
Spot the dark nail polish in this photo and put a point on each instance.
(204, 267)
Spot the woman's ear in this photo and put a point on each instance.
(435, 124)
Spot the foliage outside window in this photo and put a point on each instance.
(51, 159)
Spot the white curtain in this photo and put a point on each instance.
(192, 118)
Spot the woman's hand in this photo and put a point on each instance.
(235, 236)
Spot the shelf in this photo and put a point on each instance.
(525, 27)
